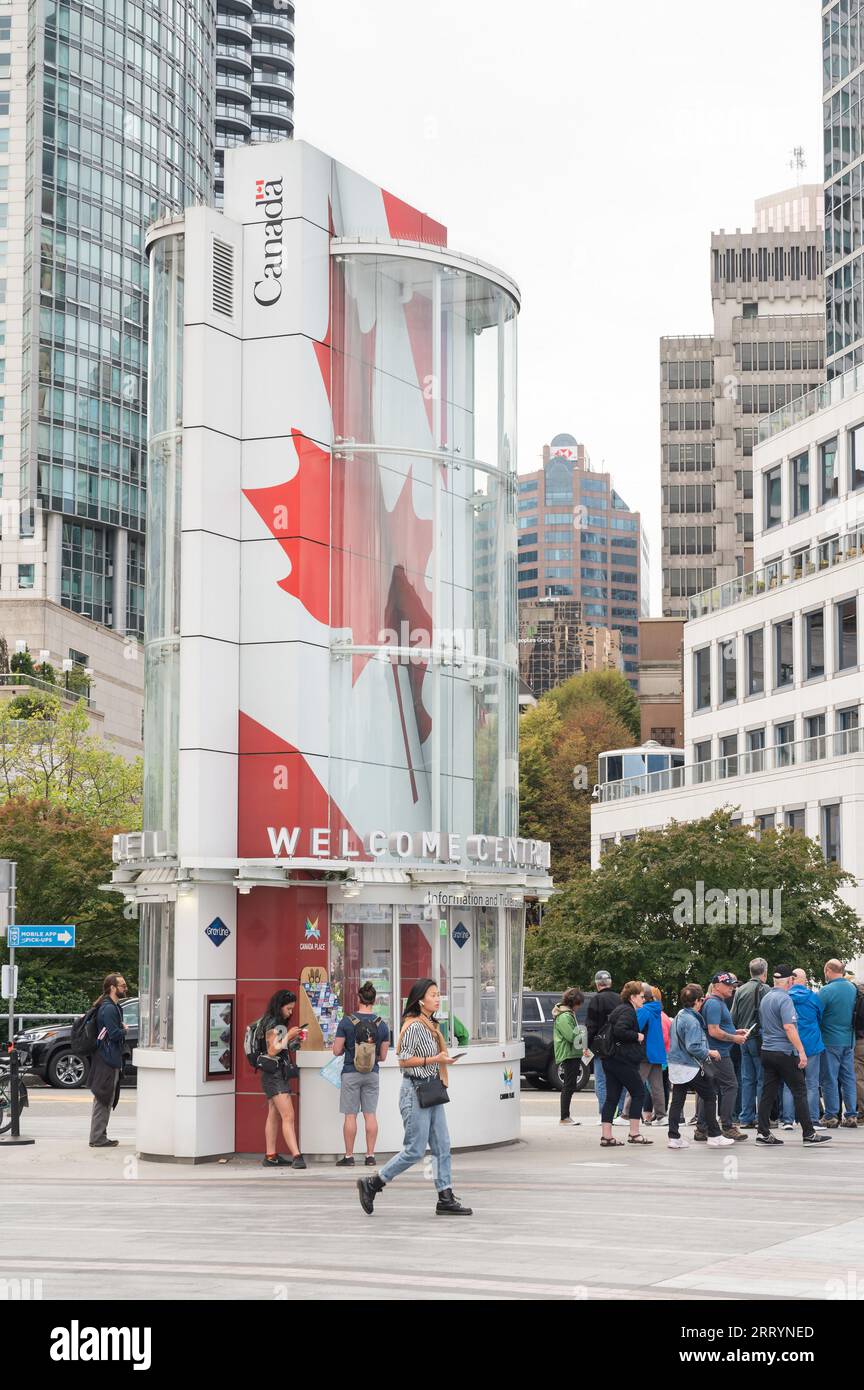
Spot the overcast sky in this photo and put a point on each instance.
(589, 149)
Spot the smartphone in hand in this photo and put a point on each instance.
(454, 1056)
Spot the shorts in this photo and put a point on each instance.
(273, 1083)
(358, 1091)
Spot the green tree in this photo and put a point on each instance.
(48, 753)
(62, 859)
(625, 917)
(609, 687)
(553, 744)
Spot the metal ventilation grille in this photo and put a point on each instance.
(223, 278)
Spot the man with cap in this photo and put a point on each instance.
(600, 1006)
(783, 1059)
(723, 1035)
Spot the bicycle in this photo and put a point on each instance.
(6, 1095)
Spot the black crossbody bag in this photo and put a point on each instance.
(431, 1092)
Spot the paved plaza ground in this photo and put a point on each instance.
(556, 1217)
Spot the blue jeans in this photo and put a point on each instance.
(751, 1081)
(839, 1079)
(422, 1128)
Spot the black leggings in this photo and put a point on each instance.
(704, 1089)
(621, 1076)
(570, 1069)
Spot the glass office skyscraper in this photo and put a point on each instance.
(106, 123)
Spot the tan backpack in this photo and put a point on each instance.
(365, 1041)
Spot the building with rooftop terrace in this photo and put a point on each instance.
(773, 684)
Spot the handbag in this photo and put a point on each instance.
(431, 1092)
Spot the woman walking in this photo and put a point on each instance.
(423, 1059)
(622, 1068)
(688, 1053)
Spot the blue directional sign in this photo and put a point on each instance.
(42, 938)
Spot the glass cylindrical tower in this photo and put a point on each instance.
(423, 601)
(162, 594)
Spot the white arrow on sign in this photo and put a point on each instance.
(64, 936)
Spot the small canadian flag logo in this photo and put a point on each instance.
(260, 195)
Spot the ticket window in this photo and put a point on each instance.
(361, 951)
(424, 952)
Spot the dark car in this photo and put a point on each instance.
(538, 1064)
(47, 1051)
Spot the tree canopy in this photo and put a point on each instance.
(567, 729)
(627, 916)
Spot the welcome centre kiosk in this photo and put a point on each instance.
(331, 746)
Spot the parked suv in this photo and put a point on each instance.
(538, 1064)
(47, 1052)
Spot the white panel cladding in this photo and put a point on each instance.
(211, 371)
(287, 278)
(207, 804)
(285, 686)
(210, 599)
(211, 498)
(303, 403)
(209, 680)
(304, 173)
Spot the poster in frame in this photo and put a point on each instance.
(219, 1037)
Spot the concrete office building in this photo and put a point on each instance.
(766, 348)
(661, 681)
(772, 660)
(842, 72)
(578, 539)
(105, 121)
(254, 76)
(556, 643)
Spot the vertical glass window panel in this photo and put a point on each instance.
(847, 634)
(800, 468)
(796, 820)
(814, 734)
(773, 498)
(416, 953)
(814, 644)
(755, 740)
(156, 976)
(702, 678)
(729, 754)
(486, 983)
(755, 662)
(784, 669)
(830, 837)
(702, 760)
(855, 446)
(784, 737)
(515, 953)
(828, 481)
(728, 670)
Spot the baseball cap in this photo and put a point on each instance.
(725, 977)
(602, 978)
(782, 972)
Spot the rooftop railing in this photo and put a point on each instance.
(824, 555)
(822, 748)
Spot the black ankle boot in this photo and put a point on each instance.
(448, 1205)
(368, 1189)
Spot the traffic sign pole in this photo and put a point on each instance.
(14, 1138)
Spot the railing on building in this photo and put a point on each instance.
(822, 555)
(821, 748)
(840, 388)
(14, 678)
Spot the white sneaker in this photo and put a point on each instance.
(821, 1129)
(677, 1143)
(571, 1121)
(663, 1122)
(787, 1126)
(620, 1120)
(720, 1142)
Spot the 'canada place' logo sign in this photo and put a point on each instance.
(268, 195)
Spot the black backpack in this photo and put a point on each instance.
(604, 1044)
(254, 1044)
(858, 1013)
(85, 1031)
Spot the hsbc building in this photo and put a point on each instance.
(331, 747)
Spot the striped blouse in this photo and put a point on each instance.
(417, 1041)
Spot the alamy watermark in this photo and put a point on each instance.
(719, 907)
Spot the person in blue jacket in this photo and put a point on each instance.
(838, 1006)
(651, 1070)
(809, 1008)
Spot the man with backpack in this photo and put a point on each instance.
(364, 1040)
(600, 1006)
(103, 1027)
(745, 1014)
